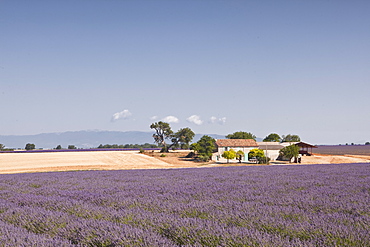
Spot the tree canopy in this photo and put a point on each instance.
(241, 135)
(204, 147)
(260, 156)
(182, 138)
(289, 152)
(163, 131)
(256, 153)
(273, 137)
(291, 138)
(30, 146)
(229, 155)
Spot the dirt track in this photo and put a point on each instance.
(127, 160)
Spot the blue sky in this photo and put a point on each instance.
(286, 67)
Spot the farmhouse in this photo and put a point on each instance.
(271, 149)
(244, 145)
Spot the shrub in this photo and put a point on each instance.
(203, 157)
(163, 155)
(263, 160)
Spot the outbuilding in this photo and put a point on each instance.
(305, 148)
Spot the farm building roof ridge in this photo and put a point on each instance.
(236, 143)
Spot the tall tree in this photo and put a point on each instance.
(2, 146)
(204, 147)
(182, 138)
(241, 135)
(289, 152)
(291, 138)
(163, 131)
(30, 146)
(273, 137)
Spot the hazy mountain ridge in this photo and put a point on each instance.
(84, 138)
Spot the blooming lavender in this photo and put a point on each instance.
(316, 205)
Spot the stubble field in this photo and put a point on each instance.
(128, 160)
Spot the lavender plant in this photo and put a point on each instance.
(316, 205)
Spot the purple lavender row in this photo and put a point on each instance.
(79, 150)
(343, 149)
(317, 205)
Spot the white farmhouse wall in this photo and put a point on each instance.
(272, 154)
(221, 150)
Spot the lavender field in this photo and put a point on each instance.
(316, 205)
(343, 149)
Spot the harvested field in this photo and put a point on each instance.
(335, 159)
(92, 160)
(62, 161)
(127, 160)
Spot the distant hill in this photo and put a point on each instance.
(84, 138)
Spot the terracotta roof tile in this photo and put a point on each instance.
(236, 143)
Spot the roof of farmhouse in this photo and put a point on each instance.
(236, 143)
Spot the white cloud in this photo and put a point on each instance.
(171, 119)
(195, 119)
(125, 114)
(154, 118)
(217, 120)
(222, 120)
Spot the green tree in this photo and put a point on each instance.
(182, 138)
(241, 135)
(204, 147)
(2, 146)
(273, 137)
(163, 131)
(289, 152)
(291, 138)
(72, 147)
(229, 155)
(259, 154)
(195, 147)
(59, 147)
(256, 153)
(367, 143)
(30, 146)
(240, 155)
